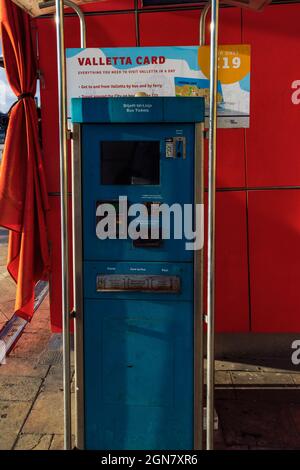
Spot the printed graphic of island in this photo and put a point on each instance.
(185, 86)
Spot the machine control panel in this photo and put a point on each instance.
(138, 283)
(175, 147)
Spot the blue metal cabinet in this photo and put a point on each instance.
(139, 385)
(138, 309)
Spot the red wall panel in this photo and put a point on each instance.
(230, 159)
(53, 220)
(274, 244)
(272, 140)
(232, 299)
(182, 28)
(108, 5)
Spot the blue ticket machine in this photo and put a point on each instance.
(138, 300)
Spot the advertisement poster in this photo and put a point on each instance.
(164, 71)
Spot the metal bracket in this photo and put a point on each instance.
(73, 314)
(41, 78)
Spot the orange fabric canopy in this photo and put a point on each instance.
(23, 193)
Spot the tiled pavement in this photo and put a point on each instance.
(258, 402)
(7, 286)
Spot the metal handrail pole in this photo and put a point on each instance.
(80, 14)
(78, 11)
(77, 265)
(202, 23)
(211, 222)
(63, 153)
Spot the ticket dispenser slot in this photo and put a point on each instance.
(137, 362)
(154, 228)
(138, 283)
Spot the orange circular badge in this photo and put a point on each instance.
(233, 62)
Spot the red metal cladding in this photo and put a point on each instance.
(274, 233)
(273, 137)
(55, 276)
(232, 300)
(108, 5)
(116, 30)
(230, 159)
(182, 28)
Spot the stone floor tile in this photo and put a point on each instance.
(283, 366)
(3, 320)
(43, 324)
(12, 417)
(46, 416)
(276, 396)
(296, 378)
(34, 442)
(222, 377)
(41, 319)
(295, 413)
(219, 438)
(57, 442)
(261, 378)
(228, 365)
(7, 440)
(19, 388)
(225, 393)
(23, 368)
(3, 317)
(31, 344)
(258, 424)
(226, 447)
(54, 379)
(7, 308)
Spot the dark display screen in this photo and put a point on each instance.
(130, 162)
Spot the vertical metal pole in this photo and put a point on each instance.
(77, 258)
(63, 152)
(211, 222)
(198, 297)
(137, 24)
(202, 23)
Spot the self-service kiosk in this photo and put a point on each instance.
(138, 305)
